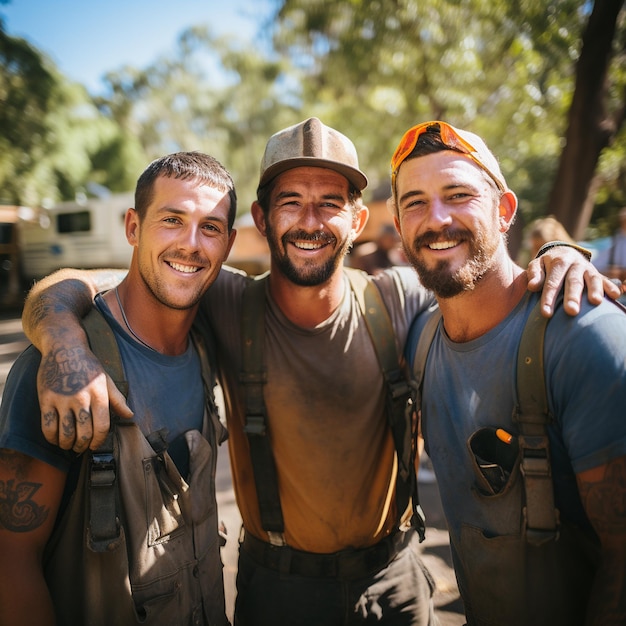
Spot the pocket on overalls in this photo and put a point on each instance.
(495, 460)
(163, 507)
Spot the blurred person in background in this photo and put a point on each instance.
(543, 230)
(387, 252)
(612, 260)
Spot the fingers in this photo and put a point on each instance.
(101, 415)
(535, 274)
(558, 273)
(71, 386)
(606, 286)
(66, 421)
(118, 401)
(567, 269)
(50, 425)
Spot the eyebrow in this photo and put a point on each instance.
(206, 216)
(328, 196)
(412, 193)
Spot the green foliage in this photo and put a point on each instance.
(503, 69)
(372, 68)
(53, 139)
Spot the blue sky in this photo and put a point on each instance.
(87, 38)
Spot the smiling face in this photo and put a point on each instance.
(451, 219)
(182, 241)
(310, 225)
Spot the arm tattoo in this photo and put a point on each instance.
(69, 295)
(18, 511)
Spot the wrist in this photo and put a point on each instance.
(553, 244)
(63, 330)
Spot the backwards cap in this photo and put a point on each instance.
(311, 144)
(456, 139)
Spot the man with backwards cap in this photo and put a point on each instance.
(342, 557)
(562, 564)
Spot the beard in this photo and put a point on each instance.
(311, 273)
(443, 281)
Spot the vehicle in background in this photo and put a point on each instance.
(85, 233)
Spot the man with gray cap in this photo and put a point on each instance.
(317, 468)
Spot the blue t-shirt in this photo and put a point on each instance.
(471, 385)
(164, 392)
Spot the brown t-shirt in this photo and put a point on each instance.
(324, 396)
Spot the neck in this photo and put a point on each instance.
(149, 322)
(307, 306)
(471, 314)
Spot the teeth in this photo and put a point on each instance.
(442, 245)
(308, 245)
(187, 269)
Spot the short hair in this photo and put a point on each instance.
(197, 166)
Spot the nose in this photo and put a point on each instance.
(439, 214)
(310, 217)
(189, 238)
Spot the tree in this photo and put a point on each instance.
(214, 94)
(53, 140)
(27, 86)
(594, 119)
(502, 69)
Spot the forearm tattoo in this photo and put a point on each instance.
(69, 295)
(19, 513)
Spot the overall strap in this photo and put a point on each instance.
(104, 517)
(424, 342)
(397, 392)
(541, 517)
(206, 347)
(253, 377)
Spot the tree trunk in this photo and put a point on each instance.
(590, 127)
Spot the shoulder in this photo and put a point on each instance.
(585, 363)
(401, 283)
(20, 414)
(225, 292)
(23, 372)
(608, 318)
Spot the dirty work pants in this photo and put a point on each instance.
(399, 594)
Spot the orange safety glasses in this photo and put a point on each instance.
(449, 136)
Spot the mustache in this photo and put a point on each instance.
(189, 259)
(318, 236)
(449, 234)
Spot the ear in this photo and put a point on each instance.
(396, 223)
(131, 226)
(507, 210)
(360, 220)
(259, 217)
(231, 241)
